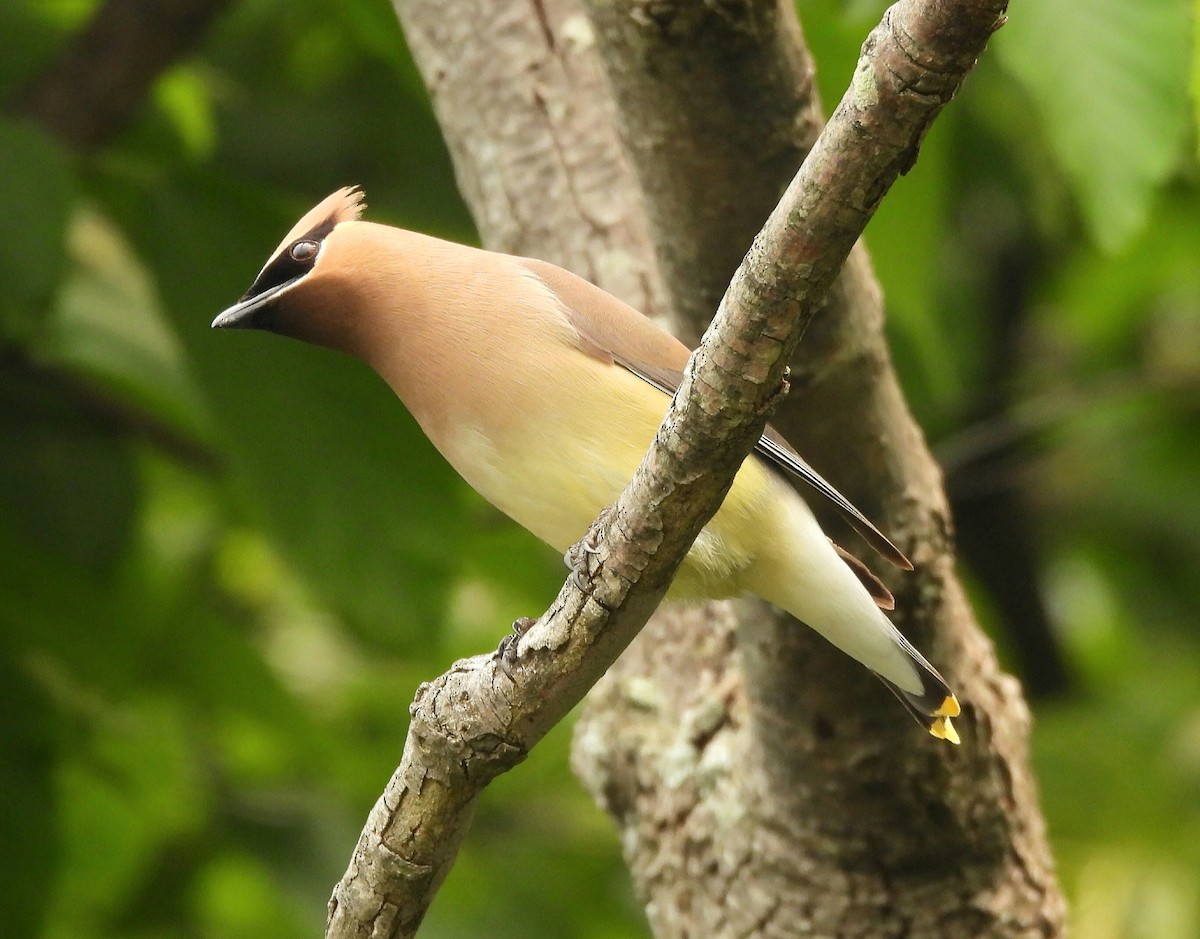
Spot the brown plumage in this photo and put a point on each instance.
(544, 391)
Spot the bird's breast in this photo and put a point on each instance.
(552, 452)
(554, 460)
(550, 434)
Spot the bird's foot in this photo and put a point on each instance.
(579, 556)
(506, 652)
(781, 392)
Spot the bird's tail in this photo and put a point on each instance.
(934, 705)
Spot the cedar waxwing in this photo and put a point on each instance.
(544, 392)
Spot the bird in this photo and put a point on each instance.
(543, 392)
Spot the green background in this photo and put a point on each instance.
(226, 562)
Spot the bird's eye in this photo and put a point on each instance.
(303, 251)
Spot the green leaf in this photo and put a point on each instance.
(134, 796)
(184, 98)
(107, 324)
(1109, 82)
(374, 28)
(1105, 303)
(34, 32)
(1195, 85)
(905, 238)
(35, 201)
(29, 827)
(67, 483)
(236, 896)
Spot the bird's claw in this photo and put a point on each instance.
(579, 556)
(506, 651)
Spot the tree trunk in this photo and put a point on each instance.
(761, 783)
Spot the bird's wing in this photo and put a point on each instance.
(615, 332)
(875, 587)
(778, 451)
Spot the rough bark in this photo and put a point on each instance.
(475, 722)
(761, 784)
(524, 107)
(939, 843)
(678, 72)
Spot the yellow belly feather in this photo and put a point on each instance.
(554, 475)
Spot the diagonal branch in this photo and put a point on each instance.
(471, 724)
(762, 820)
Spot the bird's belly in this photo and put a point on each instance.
(553, 476)
(549, 479)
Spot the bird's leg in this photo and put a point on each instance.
(506, 652)
(579, 559)
(579, 556)
(785, 386)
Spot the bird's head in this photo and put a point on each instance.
(296, 292)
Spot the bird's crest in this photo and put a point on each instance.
(286, 267)
(345, 205)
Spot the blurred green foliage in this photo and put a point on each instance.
(226, 565)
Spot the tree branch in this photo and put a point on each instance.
(471, 724)
(524, 108)
(780, 755)
(717, 107)
(526, 112)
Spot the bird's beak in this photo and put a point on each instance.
(249, 312)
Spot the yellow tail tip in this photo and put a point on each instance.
(943, 729)
(949, 708)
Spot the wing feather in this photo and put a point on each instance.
(615, 332)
